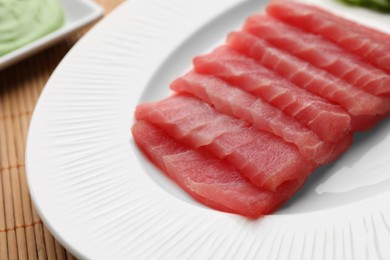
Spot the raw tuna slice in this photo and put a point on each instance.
(206, 178)
(321, 53)
(368, 43)
(309, 109)
(356, 101)
(265, 159)
(241, 104)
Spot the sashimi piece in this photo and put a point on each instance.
(356, 101)
(206, 178)
(321, 53)
(373, 45)
(327, 120)
(236, 102)
(265, 159)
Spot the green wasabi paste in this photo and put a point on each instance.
(382, 6)
(23, 21)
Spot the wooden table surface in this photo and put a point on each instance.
(22, 233)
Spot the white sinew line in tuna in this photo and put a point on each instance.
(206, 178)
(321, 53)
(263, 158)
(306, 107)
(241, 104)
(356, 101)
(373, 45)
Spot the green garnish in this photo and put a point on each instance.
(382, 6)
(24, 21)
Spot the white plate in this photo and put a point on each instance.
(78, 13)
(102, 199)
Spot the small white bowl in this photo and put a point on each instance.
(78, 13)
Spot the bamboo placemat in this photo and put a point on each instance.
(22, 233)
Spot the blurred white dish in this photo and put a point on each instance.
(78, 13)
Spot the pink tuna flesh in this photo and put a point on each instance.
(307, 108)
(241, 104)
(264, 158)
(373, 45)
(208, 179)
(356, 101)
(321, 53)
